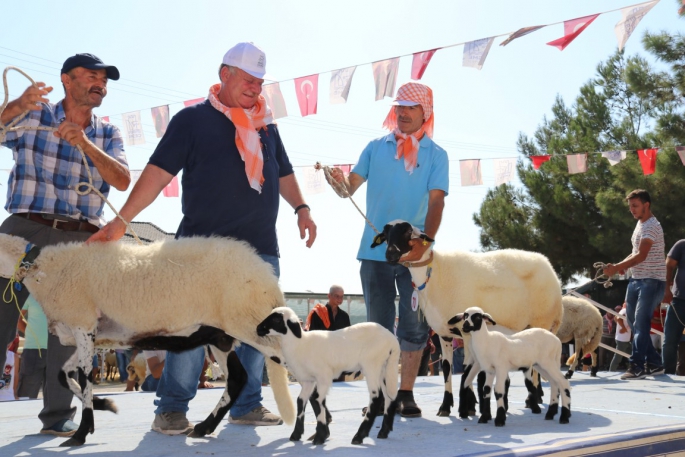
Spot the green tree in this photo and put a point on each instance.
(579, 219)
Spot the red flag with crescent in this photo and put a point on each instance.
(307, 90)
(647, 160)
(539, 160)
(572, 29)
(420, 62)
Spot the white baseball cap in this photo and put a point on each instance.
(248, 58)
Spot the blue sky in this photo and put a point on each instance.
(168, 52)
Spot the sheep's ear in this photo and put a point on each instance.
(295, 328)
(456, 319)
(378, 240)
(489, 318)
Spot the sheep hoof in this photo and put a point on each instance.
(296, 437)
(443, 413)
(568, 374)
(73, 442)
(483, 419)
(319, 440)
(499, 423)
(383, 434)
(357, 440)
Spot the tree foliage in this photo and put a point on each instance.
(579, 219)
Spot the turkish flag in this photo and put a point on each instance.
(647, 160)
(420, 62)
(171, 189)
(307, 90)
(105, 119)
(572, 29)
(539, 160)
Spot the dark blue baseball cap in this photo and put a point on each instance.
(90, 62)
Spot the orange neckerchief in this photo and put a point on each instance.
(322, 312)
(408, 147)
(247, 122)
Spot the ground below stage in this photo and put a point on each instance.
(610, 418)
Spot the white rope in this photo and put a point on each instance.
(600, 277)
(11, 128)
(342, 192)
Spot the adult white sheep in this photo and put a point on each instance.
(498, 354)
(368, 348)
(582, 324)
(171, 295)
(520, 287)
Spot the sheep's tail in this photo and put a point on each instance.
(571, 359)
(390, 372)
(278, 378)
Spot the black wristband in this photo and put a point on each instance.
(302, 206)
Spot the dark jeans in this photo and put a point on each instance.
(56, 398)
(642, 298)
(673, 331)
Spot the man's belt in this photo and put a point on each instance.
(59, 224)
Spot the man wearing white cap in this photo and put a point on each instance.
(235, 169)
(408, 178)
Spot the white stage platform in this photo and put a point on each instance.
(610, 417)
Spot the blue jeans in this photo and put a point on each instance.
(178, 384)
(673, 331)
(642, 298)
(379, 280)
(458, 360)
(150, 384)
(123, 359)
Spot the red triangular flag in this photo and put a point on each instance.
(572, 29)
(194, 101)
(539, 160)
(307, 90)
(420, 62)
(647, 160)
(171, 189)
(346, 169)
(105, 119)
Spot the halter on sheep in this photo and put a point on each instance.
(520, 287)
(201, 291)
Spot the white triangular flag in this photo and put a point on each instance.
(475, 52)
(135, 176)
(504, 170)
(577, 163)
(314, 181)
(341, 80)
(631, 17)
(385, 76)
(133, 128)
(614, 157)
(470, 172)
(274, 99)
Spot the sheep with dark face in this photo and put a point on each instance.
(317, 357)
(498, 354)
(172, 295)
(520, 287)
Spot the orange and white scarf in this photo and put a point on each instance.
(408, 144)
(247, 122)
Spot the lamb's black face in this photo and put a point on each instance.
(275, 322)
(472, 322)
(397, 236)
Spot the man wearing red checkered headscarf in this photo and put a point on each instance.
(407, 178)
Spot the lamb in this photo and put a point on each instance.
(499, 354)
(582, 323)
(173, 295)
(520, 287)
(367, 347)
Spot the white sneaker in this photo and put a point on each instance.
(173, 423)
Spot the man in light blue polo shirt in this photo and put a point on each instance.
(407, 178)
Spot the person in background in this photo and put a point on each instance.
(329, 317)
(622, 336)
(675, 315)
(34, 357)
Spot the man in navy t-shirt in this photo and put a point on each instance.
(235, 168)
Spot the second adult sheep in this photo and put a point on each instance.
(582, 325)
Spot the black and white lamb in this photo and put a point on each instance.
(172, 295)
(315, 358)
(498, 354)
(582, 325)
(520, 287)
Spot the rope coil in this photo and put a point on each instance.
(600, 277)
(88, 186)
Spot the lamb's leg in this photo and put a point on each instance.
(312, 400)
(236, 377)
(306, 393)
(85, 349)
(594, 368)
(501, 378)
(579, 354)
(376, 401)
(448, 397)
(553, 407)
(323, 385)
(467, 399)
(558, 385)
(531, 400)
(480, 387)
(486, 414)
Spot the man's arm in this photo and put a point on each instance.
(436, 205)
(290, 191)
(28, 101)
(156, 366)
(632, 259)
(113, 172)
(151, 182)
(671, 268)
(352, 182)
(21, 323)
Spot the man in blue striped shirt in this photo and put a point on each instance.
(41, 192)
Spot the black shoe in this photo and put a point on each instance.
(406, 405)
(634, 372)
(655, 370)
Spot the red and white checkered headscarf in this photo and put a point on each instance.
(408, 145)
